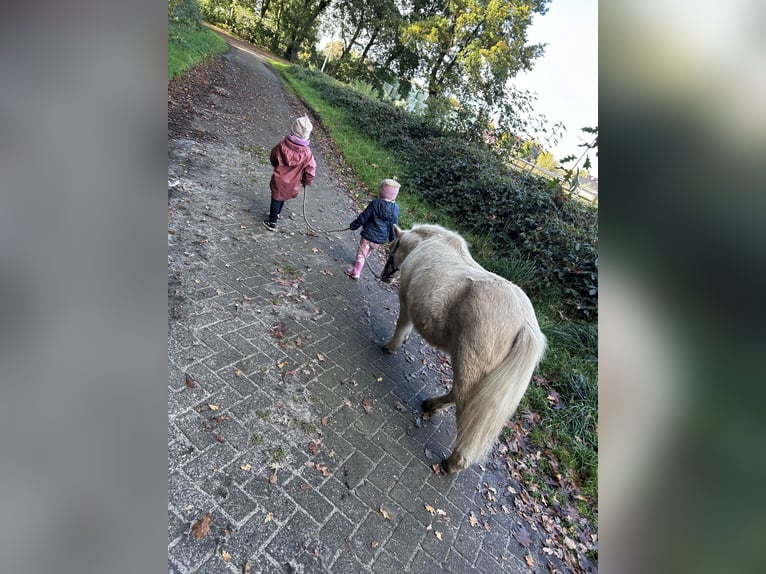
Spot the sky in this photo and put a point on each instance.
(565, 79)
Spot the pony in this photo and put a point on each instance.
(486, 323)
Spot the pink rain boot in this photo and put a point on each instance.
(356, 270)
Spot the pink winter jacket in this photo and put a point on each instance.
(294, 164)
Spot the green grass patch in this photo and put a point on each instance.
(257, 152)
(306, 427)
(256, 439)
(188, 45)
(263, 414)
(277, 454)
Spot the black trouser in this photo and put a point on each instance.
(276, 209)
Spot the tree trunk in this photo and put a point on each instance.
(297, 36)
(369, 45)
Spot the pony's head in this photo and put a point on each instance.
(393, 261)
(405, 242)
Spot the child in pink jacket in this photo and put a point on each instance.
(294, 165)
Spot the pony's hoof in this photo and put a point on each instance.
(451, 465)
(388, 348)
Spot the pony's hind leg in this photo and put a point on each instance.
(438, 404)
(402, 332)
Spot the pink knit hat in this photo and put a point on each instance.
(389, 188)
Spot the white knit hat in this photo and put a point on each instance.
(302, 128)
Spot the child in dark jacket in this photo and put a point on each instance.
(377, 222)
(294, 165)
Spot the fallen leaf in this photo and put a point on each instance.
(305, 486)
(225, 555)
(530, 560)
(220, 438)
(385, 513)
(440, 512)
(331, 454)
(320, 357)
(438, 534)
(213, 407)
(429, 528)
(269, 517)
(367, 405)
(246, 568)
(324, 421)
(472, 520)
(430, 509)
(313, 447)
(201, 528)
(322, 469)
(246, 467)
(374, 544)
(569, 543)
(239, 373)
(281, 364)
(190, 382)
(437, 468)
(379, 379)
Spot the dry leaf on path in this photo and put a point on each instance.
(530, 560)
(386, 514)
(472, 519)
(190, 382)
(521, 534)
(225, 555)
(201, 528)
(367, 405)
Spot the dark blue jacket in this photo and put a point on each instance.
(377, 221)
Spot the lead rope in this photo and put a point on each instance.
(311, 227)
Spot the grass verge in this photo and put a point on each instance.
(188, 45)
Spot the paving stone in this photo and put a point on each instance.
(344, 500)
(294, 540)
(424, 563)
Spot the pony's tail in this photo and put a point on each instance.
(497, 395)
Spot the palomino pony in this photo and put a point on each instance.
(486, 324)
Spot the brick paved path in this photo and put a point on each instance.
(292, 437)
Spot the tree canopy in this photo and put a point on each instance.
(464, 52)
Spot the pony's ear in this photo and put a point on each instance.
(397, 230)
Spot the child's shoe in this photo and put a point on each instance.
(270, 226)
(350, 273)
